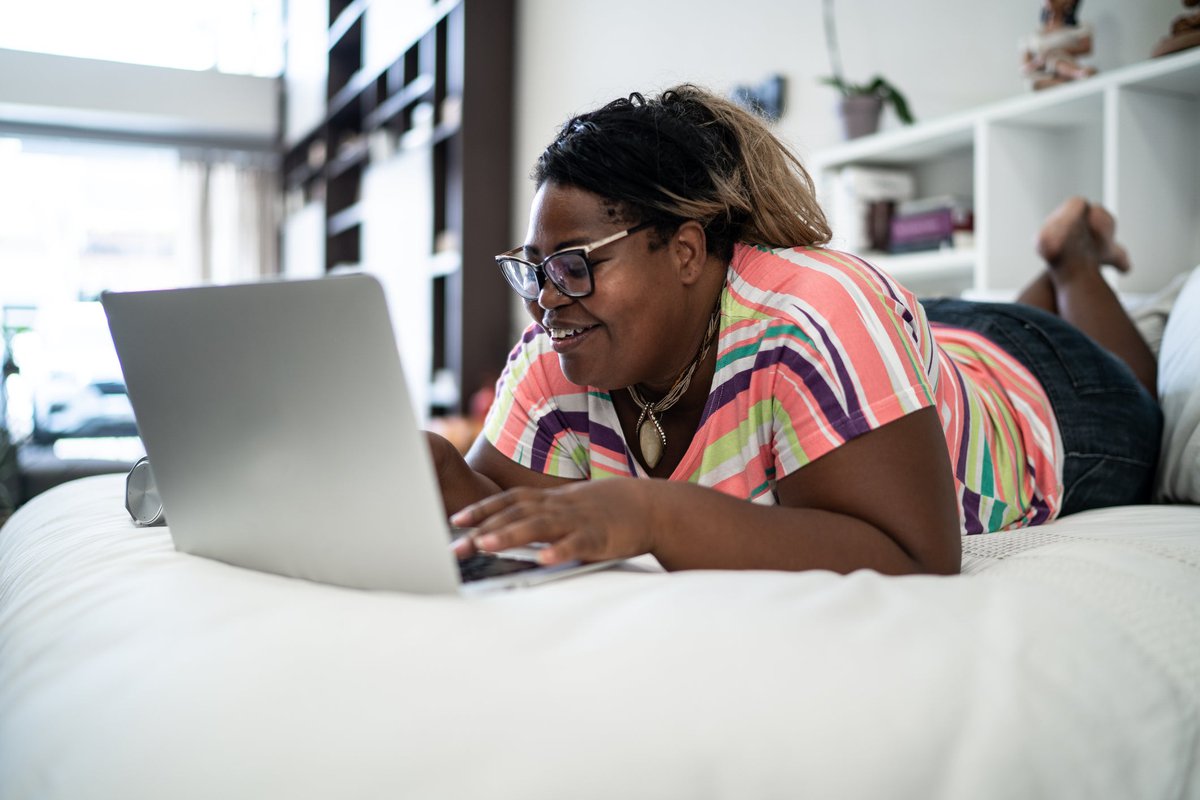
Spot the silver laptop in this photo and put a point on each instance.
(279, 427)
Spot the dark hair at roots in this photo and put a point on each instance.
(688, 155)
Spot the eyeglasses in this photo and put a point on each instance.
(569, 270)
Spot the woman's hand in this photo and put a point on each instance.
(584, 520)
(459, 483)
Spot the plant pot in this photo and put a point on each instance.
(860, 114)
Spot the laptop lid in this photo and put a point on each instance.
(281, 433)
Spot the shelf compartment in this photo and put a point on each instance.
(344, 190)
(418, 89)
(345, 61)
(350, 154)
(1155, 155)
(344, 250)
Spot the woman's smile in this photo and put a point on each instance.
(566, 339)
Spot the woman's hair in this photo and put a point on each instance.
(689, 155)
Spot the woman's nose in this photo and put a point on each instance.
(550, 296)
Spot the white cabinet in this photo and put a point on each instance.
(1129, 139)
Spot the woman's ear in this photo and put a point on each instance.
(689, 245)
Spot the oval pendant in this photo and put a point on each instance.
(650, 440)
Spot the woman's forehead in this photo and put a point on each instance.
(564, 216)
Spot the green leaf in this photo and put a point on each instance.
(892, 94)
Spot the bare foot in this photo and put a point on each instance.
(1066, 242)
(1103, 229)
(1079, 236)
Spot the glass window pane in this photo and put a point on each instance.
(237, 36)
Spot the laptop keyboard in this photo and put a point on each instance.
(488, 565)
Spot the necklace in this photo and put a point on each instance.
(652, 440)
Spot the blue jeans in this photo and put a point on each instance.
(1110, 425)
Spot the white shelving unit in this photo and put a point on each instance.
(1129, 138)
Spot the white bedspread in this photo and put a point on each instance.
(1064, 662)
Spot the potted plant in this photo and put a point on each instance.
(862, 104)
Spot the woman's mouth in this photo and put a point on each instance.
(564, 338)
(564, 333)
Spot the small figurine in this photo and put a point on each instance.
(1050, 56)
(1185, 32)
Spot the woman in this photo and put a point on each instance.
(704, 382)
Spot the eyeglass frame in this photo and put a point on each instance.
(583, 250)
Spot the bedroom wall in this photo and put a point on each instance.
(946, 56)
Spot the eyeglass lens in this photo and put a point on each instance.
(567, 271)
(521, 277)
(570, 273)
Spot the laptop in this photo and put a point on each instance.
(281, 433)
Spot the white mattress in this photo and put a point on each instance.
(1064, 662)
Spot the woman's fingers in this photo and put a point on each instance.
(474, 514)
(569, 548)
(463, 547)
(586, 522)
(511, 519)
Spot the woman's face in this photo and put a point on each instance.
(1059, 9)
(620, 334)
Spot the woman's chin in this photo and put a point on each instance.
(575, 372)
(580, 373)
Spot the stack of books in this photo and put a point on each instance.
(931, 223)
(856, 195)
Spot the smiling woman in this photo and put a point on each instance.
(755, 400)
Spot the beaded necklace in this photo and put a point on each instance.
(652, 440)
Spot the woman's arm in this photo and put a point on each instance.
(484, 472)
(884, 501)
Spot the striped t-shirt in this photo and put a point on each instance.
(815, 348)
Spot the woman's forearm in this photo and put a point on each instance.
(459, 483)
(698, 528)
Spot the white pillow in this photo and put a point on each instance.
(1179, 394)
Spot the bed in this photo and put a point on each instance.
(1064, 662)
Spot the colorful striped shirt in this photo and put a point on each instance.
(815, 348)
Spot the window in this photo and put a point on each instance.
(78, 218)
(238, 36)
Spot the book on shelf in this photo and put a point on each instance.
(936, 224)
(957, 240)
(878, 183)
(929, 224)
(853, 192)
(919, 205)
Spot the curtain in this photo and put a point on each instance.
(230, 233)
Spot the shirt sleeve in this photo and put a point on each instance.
(539, 419)
(855, 355)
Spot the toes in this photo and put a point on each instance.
(1117, 256)
(1064, 224)
(1103, 227)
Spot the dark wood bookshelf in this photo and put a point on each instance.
(458, 63)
